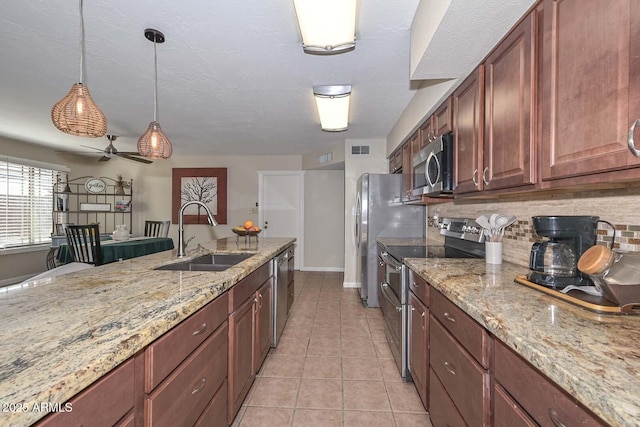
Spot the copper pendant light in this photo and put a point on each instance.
(154, 144)
(76, 113)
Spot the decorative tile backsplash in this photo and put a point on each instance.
(620, 207)
(627, 237)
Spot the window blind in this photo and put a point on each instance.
(26, 204)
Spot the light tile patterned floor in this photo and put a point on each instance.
(332, 366)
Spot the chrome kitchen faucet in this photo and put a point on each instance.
(210, 218)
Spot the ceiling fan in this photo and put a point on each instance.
(111, 152)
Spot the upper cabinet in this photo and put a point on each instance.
(552, 104)
(409, 148)
(590, 86)
(439, 123)
(467, 109)
(509, 88)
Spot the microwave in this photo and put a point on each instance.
(433, 167)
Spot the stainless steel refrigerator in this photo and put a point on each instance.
(379, 213)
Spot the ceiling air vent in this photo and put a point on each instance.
(325, 158)
(360, 149)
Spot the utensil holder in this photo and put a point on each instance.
(493, 252)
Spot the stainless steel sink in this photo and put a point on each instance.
(211, 262)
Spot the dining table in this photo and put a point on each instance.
(118, 250)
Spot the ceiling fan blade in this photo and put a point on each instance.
(93, 148)
(136, 159)
(104, 159)
(129, 153)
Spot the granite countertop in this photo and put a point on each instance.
(61, 334)
(594, 357)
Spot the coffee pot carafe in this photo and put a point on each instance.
(553, 258)
(553, 261)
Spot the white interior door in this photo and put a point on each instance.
(281, 207)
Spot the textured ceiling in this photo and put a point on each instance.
(232, 75)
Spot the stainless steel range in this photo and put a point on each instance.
(463, 239)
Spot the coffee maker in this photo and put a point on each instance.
(553, 261)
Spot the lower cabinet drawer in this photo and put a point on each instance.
(466, 382)
(442, 411)
(166, 353)
(506, 412)
(542, 399)
(102, 404)
(185, 394)
(215, 415)
(467, 331)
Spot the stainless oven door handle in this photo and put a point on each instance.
(390, 261)
(384, 287)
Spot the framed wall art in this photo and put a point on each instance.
(206, 185)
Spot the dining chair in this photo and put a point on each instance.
(156, 228)
(84, 243)
(51, 259)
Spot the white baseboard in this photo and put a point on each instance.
(349, 284)
(330, 269)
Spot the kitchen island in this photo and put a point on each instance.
(593, 357)
(61, 334)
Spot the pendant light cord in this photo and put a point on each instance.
(155, 79)
(81, 41)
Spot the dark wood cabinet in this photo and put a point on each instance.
(442, 118)
(534, 393)
(264, 323)
(168, 351)
(427, 134)
(241, 373)
(442, 411)
(507, 412)
(187, 392)
(468, 130)
(509, 146)
(419, 346)
(408, 150)
(108, 402)
(459, 350)
(589, 95)
(250, 332)
(395, 161)
(465, 381)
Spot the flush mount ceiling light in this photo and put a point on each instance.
(327, 26)
(154, 144)
(333, 106)
(76, 113)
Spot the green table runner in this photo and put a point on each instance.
(124, 250)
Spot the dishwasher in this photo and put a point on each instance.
(281, 273)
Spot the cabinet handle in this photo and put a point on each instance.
(424, 317)
(201, 330)
(632, 146)
(198, 389)
(260, 297)
(554, 418)
(449, 317)
(449, 367)
(474, 178)
(484, 178)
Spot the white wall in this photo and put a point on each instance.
(324, 220)
(356, 165)
(152, 200)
